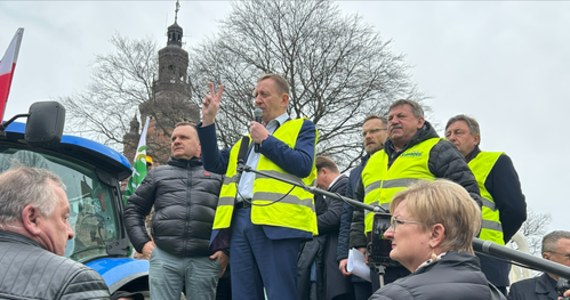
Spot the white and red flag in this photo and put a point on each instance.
(7, 67)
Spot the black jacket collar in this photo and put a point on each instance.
(546, 286)
(185, 163)
(472, 154)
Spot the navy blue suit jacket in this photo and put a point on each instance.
(297, 161)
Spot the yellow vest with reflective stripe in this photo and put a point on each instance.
(381, 184)
(274, 202)
(491, 228)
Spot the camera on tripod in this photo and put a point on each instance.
(380, 247)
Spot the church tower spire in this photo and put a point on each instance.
(171, 102)
(175, 32)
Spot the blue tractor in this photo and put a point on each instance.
(92, 173)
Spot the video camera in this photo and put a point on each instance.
(379, 247)
(562, 286)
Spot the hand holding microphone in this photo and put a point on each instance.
(257, 131)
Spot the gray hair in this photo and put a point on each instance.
(23, 186)
(417, 109)
(471, 123)
(549, 241)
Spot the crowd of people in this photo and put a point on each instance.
(226, 213)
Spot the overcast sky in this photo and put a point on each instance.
(506, 63)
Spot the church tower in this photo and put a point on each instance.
(171, 102)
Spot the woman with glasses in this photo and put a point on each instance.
(432, 228)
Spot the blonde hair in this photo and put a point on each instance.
(447, 203)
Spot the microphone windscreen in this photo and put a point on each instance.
(258, 113)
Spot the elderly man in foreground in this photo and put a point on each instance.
(34, 230)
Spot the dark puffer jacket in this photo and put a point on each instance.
(185, 197)
(27, 271)
(454, 276)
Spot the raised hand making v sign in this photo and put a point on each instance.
(211, 104)
(268, 218)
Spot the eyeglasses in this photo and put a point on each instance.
(565, 255)
(394, 223)
(372, 131)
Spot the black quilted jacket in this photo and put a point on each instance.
(455, 276)
(185, 197)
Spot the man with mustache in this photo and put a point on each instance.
(412, 152)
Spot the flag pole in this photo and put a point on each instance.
(7, 68)
(139, 164)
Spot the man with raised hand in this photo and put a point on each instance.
(267, 218)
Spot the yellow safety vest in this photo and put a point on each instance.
(491, 228)
(382, 183)
(295, 208)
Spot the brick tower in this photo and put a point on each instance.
(171, 102)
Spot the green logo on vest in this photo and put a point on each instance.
(412, 154)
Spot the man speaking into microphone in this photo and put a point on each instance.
(268, 218)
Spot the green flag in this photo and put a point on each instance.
(139, 164)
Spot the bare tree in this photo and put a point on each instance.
(534, 228)
(121, 81)
(339, 69)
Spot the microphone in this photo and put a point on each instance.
(257, 113)
(499, 251)
(242, 154)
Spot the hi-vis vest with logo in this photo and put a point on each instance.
(491, 228)
(381, 184)
(294, 208)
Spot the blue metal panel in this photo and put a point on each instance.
(17, 127)
(97, 147)
(119, 271)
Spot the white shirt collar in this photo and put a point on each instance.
(334, 181)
